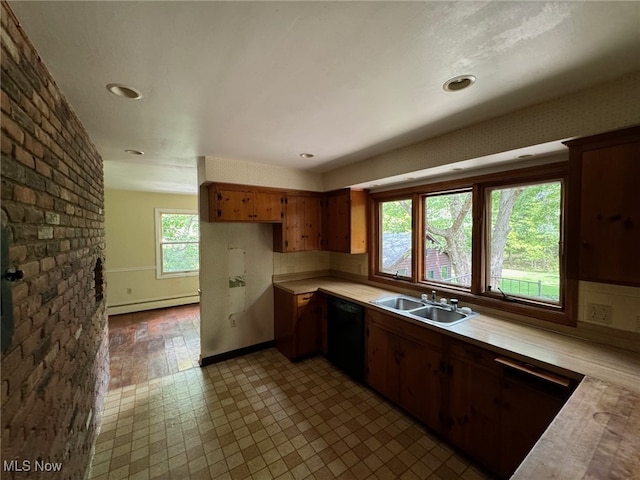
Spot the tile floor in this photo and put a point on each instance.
(153, 344)
(262, 417)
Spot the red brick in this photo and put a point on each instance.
(13, 130)
(24, 195)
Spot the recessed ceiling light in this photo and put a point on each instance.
(459, 83)
(456, 169)
(134, 152)
(306, 155)
(124, 91)
(525, 155)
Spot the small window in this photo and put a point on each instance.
(178, 237)
(524, 241)
(448, 229)
(396, 238)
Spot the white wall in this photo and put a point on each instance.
(229, 250)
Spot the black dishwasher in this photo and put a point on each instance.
(345, 336)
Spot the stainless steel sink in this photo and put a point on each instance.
(399, 303)
(427, 312)
(439, 314)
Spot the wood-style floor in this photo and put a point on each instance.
(153, 344)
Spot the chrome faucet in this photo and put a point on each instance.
(433, 296)
(454, 304)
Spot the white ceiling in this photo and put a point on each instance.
(264, 81)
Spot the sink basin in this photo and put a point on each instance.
(399, 303)
(414, 308)
(439, 315)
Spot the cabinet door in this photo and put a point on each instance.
(527, 408)
(233, 205)
(283, 321)
(609, 216)
(473, 407)
(337, 223)
(294, 224)
(267, 207)
(308, 331)
(420, 381)
(382, 361)
(312, 230)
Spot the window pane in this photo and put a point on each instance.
(448, 228)
(396, 243)
(179, 227)
(525, 239)
(179, 257)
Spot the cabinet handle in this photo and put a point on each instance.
(533, 371)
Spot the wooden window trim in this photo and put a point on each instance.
(565, 313)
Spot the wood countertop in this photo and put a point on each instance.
(595, 436)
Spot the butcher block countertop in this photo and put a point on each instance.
(595, 436)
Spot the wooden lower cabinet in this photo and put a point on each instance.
(473, 413)
(403, 364)
(491, 407)
(298, 323)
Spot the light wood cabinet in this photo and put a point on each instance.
(238, 203)
(345, 221)
(298, 323)
(301, 227)
(403, 364)
(605, 174)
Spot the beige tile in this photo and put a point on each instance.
(260, 416)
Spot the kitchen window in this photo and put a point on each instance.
(494, 240)
(177, 243)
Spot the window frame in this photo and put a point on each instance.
(160, 273)
(565, 312)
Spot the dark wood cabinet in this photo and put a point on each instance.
(298, 323)
(473, 413)
(301, 226)
(403, 364)
(605, 174)
(238, 203)
(492, 407)
(498, 406)
(345, 221)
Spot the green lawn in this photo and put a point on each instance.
(531, 284)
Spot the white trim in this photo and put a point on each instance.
(130, 269)
(152, 303)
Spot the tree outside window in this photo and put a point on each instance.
(178, 237)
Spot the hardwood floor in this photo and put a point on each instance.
(153, 344)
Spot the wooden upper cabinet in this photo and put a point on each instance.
(605, 170)
(345, 221)
(238, 203)
(301, 227)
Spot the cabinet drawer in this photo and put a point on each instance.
(405, 328)
(304, 299)
(476, 355)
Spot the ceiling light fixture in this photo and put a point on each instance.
(307, 155)
(525, 155)
(134, 152)
(459, 83)
(124, 91)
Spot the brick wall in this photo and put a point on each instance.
(55, 372)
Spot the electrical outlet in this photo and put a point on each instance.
(597, 313)
(232, 319)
